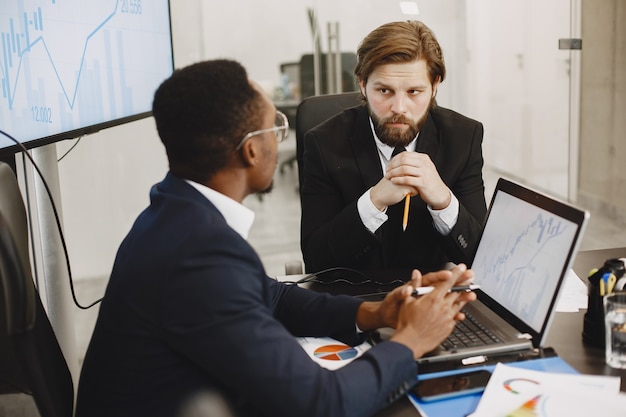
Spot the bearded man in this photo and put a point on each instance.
(356, 176)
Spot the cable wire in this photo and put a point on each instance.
(56, 218)
(70, 149)
(315, 278)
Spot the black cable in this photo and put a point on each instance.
(314, 278)
(70, 149)
(56, 218)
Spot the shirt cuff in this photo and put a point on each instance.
(371, 217)
(445, 219)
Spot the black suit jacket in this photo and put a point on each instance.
(341, 162)
(189, 308)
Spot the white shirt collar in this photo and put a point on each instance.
(386, 150)
(237, 216)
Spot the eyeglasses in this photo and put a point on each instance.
(280, 129)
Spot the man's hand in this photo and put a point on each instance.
(425, 321)
(374, 315)
(463, 276)
(385, 193)
(416, 172)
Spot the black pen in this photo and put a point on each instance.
(426, 290)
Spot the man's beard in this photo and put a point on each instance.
(394, 136)
(270, 187)
(266, 190)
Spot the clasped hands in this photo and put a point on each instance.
(420, 323)
(411, 173)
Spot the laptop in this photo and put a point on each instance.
(527, 246)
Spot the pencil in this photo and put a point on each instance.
(405, 217)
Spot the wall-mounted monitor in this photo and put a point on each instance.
(73, 67)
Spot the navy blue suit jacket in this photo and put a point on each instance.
(189, 308)
(341, 162)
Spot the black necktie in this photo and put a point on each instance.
(395, 212)
(392, 229)
(397, 150)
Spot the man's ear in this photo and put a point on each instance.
(362, 87)
(435, 85)
(249, 153)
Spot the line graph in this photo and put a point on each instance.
(37, 21)
(70, 64)
(521, 256)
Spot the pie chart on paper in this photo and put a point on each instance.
(335, 352)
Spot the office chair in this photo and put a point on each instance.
(310, 112)
(31, 360)
(315, 110)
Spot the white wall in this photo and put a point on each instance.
(519, 87)
(104, 184)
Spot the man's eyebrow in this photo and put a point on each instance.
(382, 84)
(379, 84)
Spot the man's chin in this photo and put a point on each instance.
(267, 190)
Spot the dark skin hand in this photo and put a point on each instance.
(420, 323)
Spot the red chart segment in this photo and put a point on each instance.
(335, 352)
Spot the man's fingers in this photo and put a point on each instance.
(416, 278)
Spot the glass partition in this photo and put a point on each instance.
(519, 87)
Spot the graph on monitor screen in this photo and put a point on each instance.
(70, 65)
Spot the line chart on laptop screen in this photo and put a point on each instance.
(520, 257)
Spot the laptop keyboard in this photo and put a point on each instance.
(469, 333)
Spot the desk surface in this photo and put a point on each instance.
(565, 336)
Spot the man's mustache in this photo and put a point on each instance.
(397, 118)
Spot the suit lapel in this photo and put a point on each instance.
(365, 150)
(428, 141)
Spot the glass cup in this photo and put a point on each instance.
(615, 325)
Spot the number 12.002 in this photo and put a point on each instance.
(42, 114)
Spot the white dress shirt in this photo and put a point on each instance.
(237, 216)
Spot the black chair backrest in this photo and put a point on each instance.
(31, 360)
(315, 110)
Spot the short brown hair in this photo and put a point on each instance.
(400, 42)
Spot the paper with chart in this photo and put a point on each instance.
(517, 392)
(330, 353)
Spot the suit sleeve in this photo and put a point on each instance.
(223, 314)
(460, 244)
(332, 232)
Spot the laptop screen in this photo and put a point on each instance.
(524, 251)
